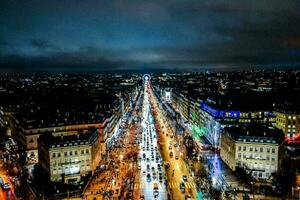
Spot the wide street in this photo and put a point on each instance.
(152, 172)
(147, 161)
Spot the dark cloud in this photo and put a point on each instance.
(41, 44)
(119, 34)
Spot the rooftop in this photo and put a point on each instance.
(255, 133)
(70, 140)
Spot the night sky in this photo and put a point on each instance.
(88, 35)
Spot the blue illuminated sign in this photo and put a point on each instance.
(219, 113)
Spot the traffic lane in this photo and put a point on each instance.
(148, 192)
(179, 165)
(173, 168)
(150, 129)
(172, 178)
(182, 167)
(162, 188)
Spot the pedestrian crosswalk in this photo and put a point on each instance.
(171, 185)
(187, 185)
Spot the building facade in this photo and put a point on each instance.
(27, 133)
(255, 149)
(68, 158)
(214, 119)
(288, 120)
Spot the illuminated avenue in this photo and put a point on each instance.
(153, 136)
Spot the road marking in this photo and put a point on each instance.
(193, 185)
(173, 185)
(189, 185)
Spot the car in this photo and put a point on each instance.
(170, 147)
(155, 193)
(182, 187)
(176, 157)
(139, 166)
(154, 175)
(148, 178)
(144, 172)
(188, 197)
(160, 175)
(184, 178)
(171, 154)
(148, 168)
(5, 186)
(167, 165)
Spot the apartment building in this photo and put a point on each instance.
(256, 149)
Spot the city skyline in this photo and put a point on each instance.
(220, 135)
(134, 35)
(149, 100)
